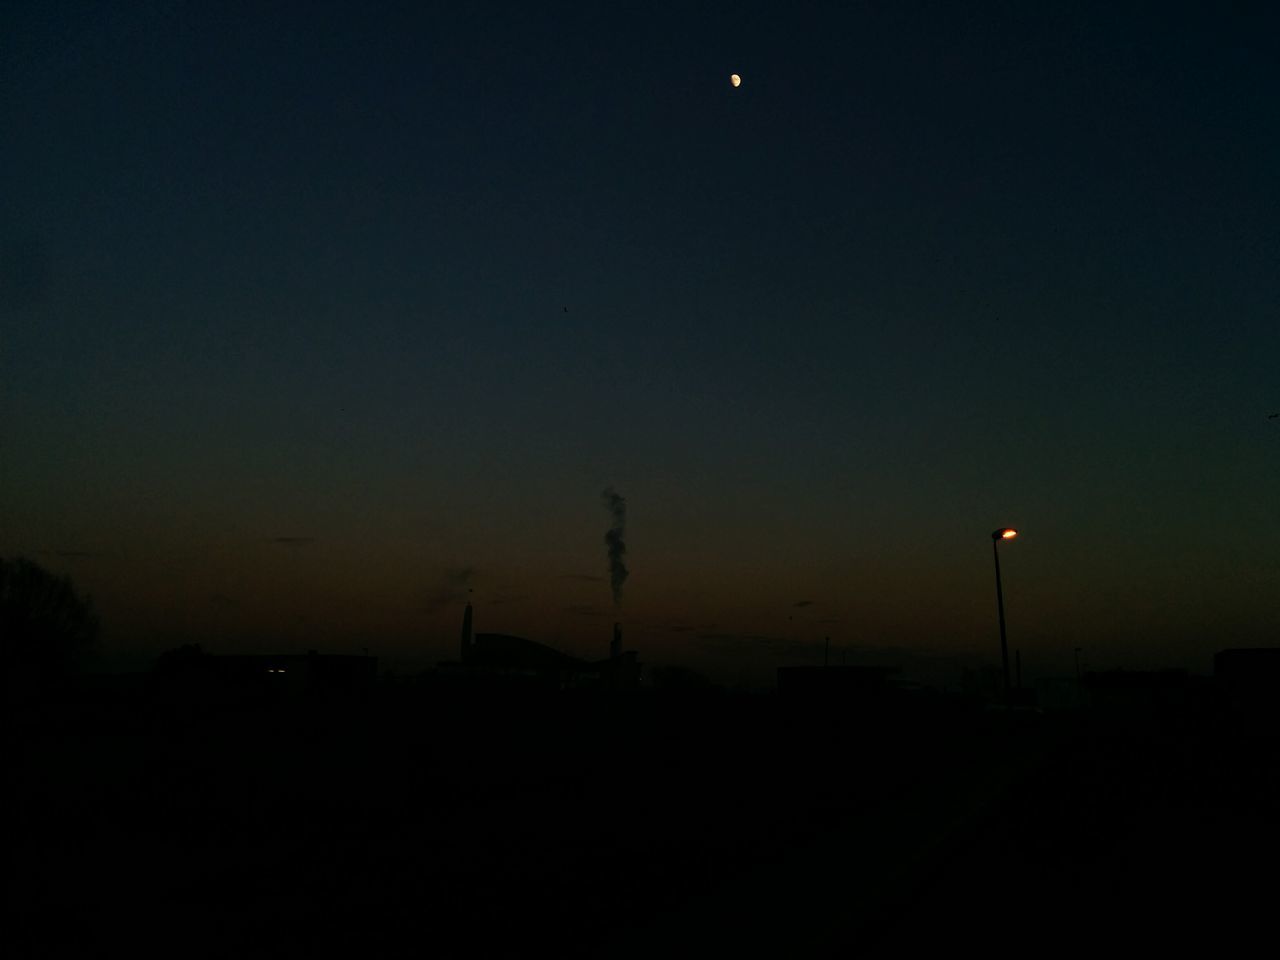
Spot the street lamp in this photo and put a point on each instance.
(1004, 533)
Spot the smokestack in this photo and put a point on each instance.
(613, 539)
(615, 648)
(466, 632)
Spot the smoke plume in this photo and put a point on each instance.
(615, 543)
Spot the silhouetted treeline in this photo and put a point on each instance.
(46, 628)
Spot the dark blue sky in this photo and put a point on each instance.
(933, 268)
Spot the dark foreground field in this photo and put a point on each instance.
(427, 822)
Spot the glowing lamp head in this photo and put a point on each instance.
(1004, 533)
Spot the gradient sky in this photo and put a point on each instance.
(313, 317)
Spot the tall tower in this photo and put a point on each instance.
(465, 652)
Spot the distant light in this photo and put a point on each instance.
(735, 80)
(1004, 533)
(1009, 534)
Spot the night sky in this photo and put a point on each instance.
(314, 318)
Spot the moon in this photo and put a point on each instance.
(735, 79)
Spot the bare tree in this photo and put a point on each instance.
(45, 626)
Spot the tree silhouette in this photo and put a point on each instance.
(45, 626)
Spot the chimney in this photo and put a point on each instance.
(466, 634)
(615, 648)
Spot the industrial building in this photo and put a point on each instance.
(189, 671)
(1247, 688)
(500, 657)
(849, 685)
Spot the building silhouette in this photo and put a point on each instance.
(851, 686)
(503, 658)
(189, 671)
(1247, 687)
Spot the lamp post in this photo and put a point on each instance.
(1004, 533)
